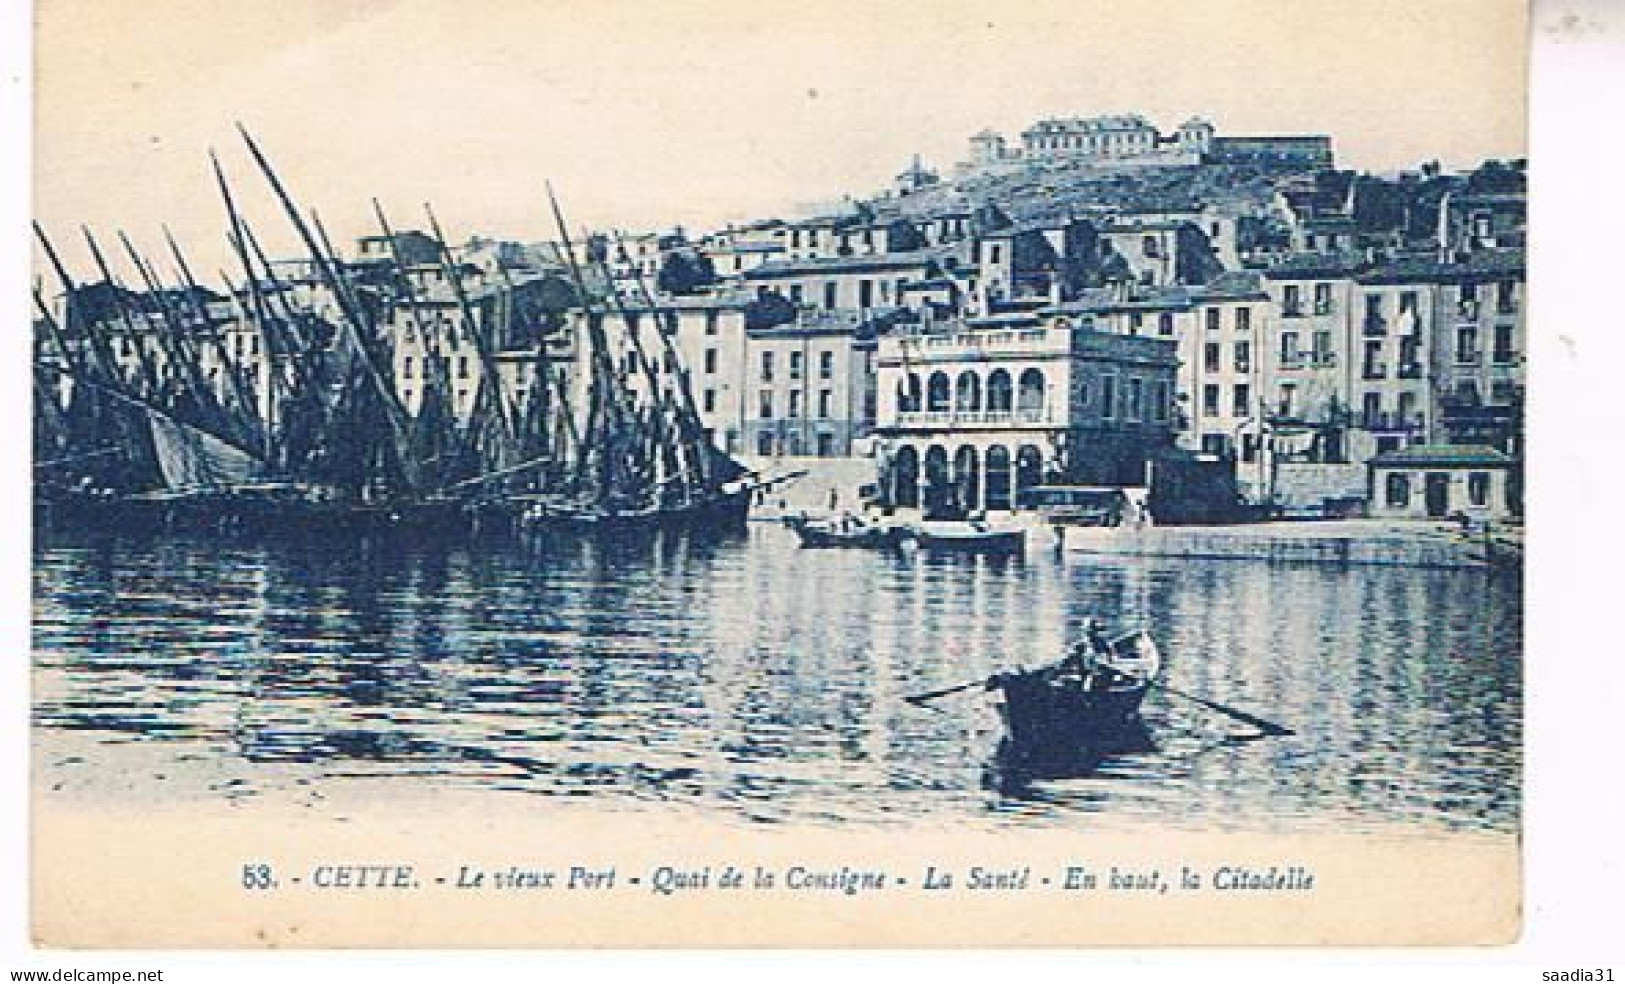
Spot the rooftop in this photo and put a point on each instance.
(1103, 300)
(910, 260)
(1443, 455)
(1232, 285)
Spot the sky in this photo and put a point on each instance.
(646, 114)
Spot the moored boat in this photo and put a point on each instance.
(842, 531)
(972, 536)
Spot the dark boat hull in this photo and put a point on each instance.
(725, 512)
(1042, 711)
(1057, 715)
(991, 542)
(249, 513)
(285, 512)
(817, 536)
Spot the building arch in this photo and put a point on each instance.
(938, 490)
(968, 478)
(937, 393)
(1029, 472)
(906, 477)
(1030, 392)
(968, 392)
(908, 393)
(999, 392)
(996, 494)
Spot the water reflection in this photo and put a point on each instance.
(749, 677)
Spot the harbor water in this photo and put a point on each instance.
(745, 678)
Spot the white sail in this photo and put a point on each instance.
(191, 458)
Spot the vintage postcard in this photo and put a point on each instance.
(551, 473)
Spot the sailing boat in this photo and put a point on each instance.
(297, 426)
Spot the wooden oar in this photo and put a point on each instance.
(1267, 727)
(934, 694)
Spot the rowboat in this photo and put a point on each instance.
(967, 537)
(842, 532)
(1084, 707)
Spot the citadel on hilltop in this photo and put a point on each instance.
(1132, 139)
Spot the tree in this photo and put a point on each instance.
(682, 272)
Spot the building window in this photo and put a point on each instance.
(1323, 298)
(1244, 357)
(1410, 357)
(1323, 348)
(1371, 410)
(1211, 357)
(1108, 397)
(764, 443)
(1150, 247)
(1478, 488)
(711, 321)
(795, 404)
(1407, 302)
(765, 407)
(1244, 319)
(710, 360)
(826, 445)
(767, 366)
(1212, 319)
(993, 254)
(1503, 352)
(1292, 301)
(406, 368)
(1468, 304)
(795, 365)
(866, 294)
(1289, 349)
(1161, 404)
(1165, 324)
(1242, 398)
(1397, 490)
(1372, 367)
(796, 294)
(1210, 400)
(826, 365)
(1373, 313)
(1467, 346)
(1287, 400)
(462, 367)
(1506, 297)
(830, 287)
(1136, 396)
(825, 398)
(1136, 321)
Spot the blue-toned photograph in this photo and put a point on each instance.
(981, 435)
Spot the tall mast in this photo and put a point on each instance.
(688, 416)
(149, 372)
(244, 404)
(355, 330)
(177, 350)
(102, 356)
(489, 377)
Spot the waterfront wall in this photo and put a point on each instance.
(1345, 542)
